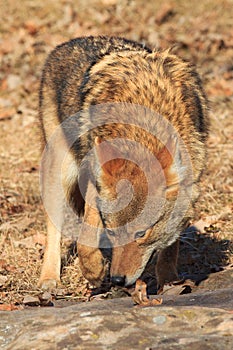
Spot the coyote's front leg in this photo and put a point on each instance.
(92, 262)
(50, 273)
(53, 200)
(166, 265)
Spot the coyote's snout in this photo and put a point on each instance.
(125, 130)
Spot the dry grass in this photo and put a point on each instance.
(201, 33)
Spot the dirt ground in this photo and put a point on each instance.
(201, 32)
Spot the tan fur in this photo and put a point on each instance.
(101, 71)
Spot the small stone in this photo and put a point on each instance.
(46, 299)
(45, 296)
(31, 301)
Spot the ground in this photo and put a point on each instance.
(201, 32)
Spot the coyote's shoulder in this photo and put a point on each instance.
(67, 70)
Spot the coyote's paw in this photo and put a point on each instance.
(48, 284)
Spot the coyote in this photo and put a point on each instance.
(124, 131)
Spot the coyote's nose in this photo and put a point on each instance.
(118, 280)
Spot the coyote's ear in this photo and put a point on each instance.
(109, 157)
(171, 162)
(155, 54)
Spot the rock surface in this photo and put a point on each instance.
(196, 321)
(116, 324)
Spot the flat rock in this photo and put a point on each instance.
(197, 321)
(118, 324)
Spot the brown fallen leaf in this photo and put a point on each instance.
(31, 27)
(7, 114)
(39, 238)
(100, 297)
(3, 264)
(177, 287)
(104, 293)
(206, 222)
(162, 15)
(139, 295)
(10, 307)
(31, 241)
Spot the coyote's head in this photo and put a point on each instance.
(136, 203)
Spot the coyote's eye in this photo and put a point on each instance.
(110, 232)
(140, 234)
